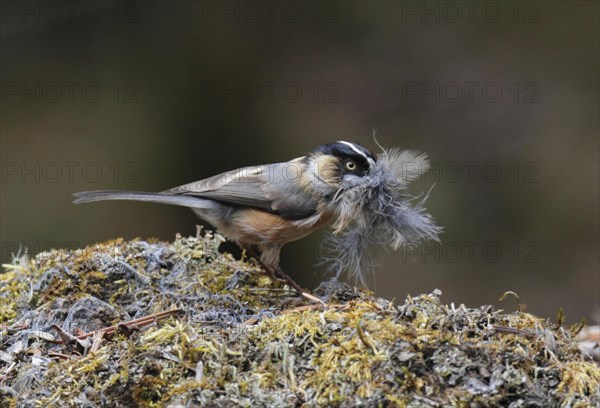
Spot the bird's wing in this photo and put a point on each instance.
(273, 188)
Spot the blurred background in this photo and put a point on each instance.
(503, 97)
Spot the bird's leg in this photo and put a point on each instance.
(301, 292)
(266, 270)
(285, 278)
(270, 261)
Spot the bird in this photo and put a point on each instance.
(267, 206)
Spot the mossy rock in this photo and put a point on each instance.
(238, 339)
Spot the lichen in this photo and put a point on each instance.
(75, 332)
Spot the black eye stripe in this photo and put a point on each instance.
(348, 154)
(348, 151)
(356, 148)
(359, 168)
(356, 158)
(359, 161)
(344, 151)
(355, 161)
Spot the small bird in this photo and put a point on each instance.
(269, 205)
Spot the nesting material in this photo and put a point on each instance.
(379, 213)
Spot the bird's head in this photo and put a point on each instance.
(335, 167)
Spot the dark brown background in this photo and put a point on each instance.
(170, 113)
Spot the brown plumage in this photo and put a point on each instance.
(270, 205)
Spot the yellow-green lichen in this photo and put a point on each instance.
(240, 340)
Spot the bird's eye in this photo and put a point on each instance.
(350, 165)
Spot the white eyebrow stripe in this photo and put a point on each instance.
(353, 147)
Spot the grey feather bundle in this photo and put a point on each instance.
(379, 213)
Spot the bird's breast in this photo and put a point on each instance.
(252, 226)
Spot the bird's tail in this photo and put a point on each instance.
(163, 198)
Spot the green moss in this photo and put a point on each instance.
(241, 340)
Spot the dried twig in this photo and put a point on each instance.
(62, 356)
(512, 330)
(97, 341)
(140, 322)
(336, 306)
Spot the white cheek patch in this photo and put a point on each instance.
(318, 177)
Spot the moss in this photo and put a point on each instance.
(223, 335)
